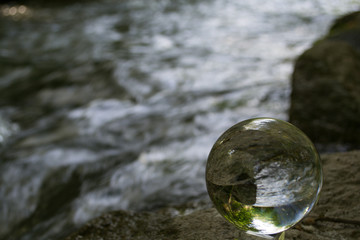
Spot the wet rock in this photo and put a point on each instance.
(325, 99)
(331, 218)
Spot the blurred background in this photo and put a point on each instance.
(115, 104)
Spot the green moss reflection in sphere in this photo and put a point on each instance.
(263, 175)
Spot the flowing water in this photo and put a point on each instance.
(110, 105)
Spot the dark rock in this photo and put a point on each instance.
(347, 29)
(349, 21)
(325, 99)
(335, 217)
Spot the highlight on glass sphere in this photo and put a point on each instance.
(263, 175)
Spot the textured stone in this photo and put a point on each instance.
(335, 217)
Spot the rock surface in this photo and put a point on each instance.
(325, 99)
(335, 217)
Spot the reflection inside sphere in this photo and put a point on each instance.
(263, 175)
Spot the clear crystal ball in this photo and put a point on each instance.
(263, 175)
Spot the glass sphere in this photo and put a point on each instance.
(263, 175)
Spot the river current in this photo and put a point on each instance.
(111, 105)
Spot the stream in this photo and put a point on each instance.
(108, 105)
